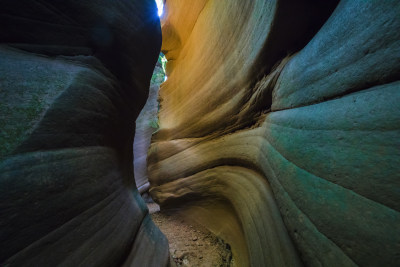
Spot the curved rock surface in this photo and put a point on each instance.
(279, 128)
(74, 75)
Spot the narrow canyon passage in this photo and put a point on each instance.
(273, 141)
(271, 126)
(190, 244)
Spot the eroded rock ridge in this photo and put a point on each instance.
(279, 128)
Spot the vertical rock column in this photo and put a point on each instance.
(74, 75)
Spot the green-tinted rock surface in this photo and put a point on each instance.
(74, 75)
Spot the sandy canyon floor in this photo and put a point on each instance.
(191, 244)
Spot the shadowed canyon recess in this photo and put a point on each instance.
(277, 130)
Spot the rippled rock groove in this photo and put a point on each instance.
(74, 75)
(278, 130)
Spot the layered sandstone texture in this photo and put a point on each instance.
(74, 75)
(279, 128)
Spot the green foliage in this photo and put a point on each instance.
(162, 60)
(159, 71)
(157, 77)
(154, 124)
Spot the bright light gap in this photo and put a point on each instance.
(160, 6)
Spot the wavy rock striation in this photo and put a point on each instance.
(73, 78)
(279, 128)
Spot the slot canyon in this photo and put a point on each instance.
(277, 129)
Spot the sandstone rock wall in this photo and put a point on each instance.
(146, 125)
(279, 128)
(74, 75)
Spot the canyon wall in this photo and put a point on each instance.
(279, 128)
(146, 125)
(74, 76)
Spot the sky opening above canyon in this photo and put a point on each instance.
(160, 6)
